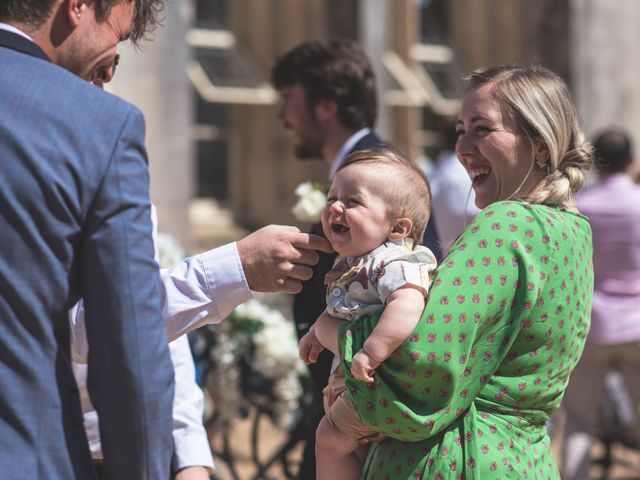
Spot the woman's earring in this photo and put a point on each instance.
(542, 165)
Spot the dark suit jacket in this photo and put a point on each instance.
(311, 302)
(75, 222)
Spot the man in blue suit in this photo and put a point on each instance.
(75, 222)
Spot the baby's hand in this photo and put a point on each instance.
(309, 347)
(363, 366)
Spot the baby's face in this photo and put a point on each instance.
(355, 218)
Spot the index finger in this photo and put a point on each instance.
(312, 242)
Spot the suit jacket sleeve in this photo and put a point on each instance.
(130, 377)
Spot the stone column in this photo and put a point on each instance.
(154, 79)
(605, 63)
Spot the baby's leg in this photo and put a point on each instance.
(335, 454)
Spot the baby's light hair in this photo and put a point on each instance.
(408, 194)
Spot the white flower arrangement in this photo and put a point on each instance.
(256, 352)
(311, 200)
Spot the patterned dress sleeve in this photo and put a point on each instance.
(464, 334)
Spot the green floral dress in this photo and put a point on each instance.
(468, 395)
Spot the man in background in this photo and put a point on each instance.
(613, 209)
(329, 107)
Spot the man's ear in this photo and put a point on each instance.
(400, 229)
(326, 108)
(75, 9)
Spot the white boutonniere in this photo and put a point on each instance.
(312, 198)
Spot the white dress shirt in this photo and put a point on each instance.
(200, 290)
(453, 202)
(346, 148)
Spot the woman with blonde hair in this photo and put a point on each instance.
(469, 393)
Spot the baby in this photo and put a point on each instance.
(376, 213)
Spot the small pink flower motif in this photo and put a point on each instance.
(501, 447)
(493, 467)
(484, 449)
(475, 229)
(476, 298)
(561, 324)
(513, 228)
(430, 318)
(482, 243)
(406, 414)
(540, 301)
(552, 293)
(428, 373)
(566, 260)
(495, 226)
(464, 393)
(501, 261)
(493, 428)
(490, 298)
(473, 279)
(499, 242)
(468, 371)
(546, 238)
(431, 357)
(432, 337)
(371, 406)
(457, 281)
(563, 285)
(442, 393)
(511, 213)
(447, 337)
(499, 397)
(533, 353)
(414, 356)
(476, 317)
(389, 420)
(468, 437)
(503, 280)
(514, 261)
(486, 356)
(528, 248)
(555, 269)
(529, 233)
(411, 373)
(462, 336)
(438, 476)
(462, 318)
(514, 244)
(383, 402)
(488, 280)
(415, 337)
(470, 263)
(447, 356)
(522, 386)
(486, 261)
(458, 440)
(526, 323)
(564, 236)
(491, 338)
(444, 300)
(463, 359)
(453, 465)
(446, 318)
(430, 461)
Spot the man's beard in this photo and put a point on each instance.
(310, 146)
(308, 152)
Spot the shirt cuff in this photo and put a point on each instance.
(225, 277)
(191, 450)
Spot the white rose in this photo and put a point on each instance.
(310, 203)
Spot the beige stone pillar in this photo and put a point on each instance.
(605, 63)
(154, 79)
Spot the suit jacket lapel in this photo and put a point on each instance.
(19, 43)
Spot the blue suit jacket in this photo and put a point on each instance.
(75, 222)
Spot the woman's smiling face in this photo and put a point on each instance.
(496, 155)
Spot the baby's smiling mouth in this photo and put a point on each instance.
(338, 228)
